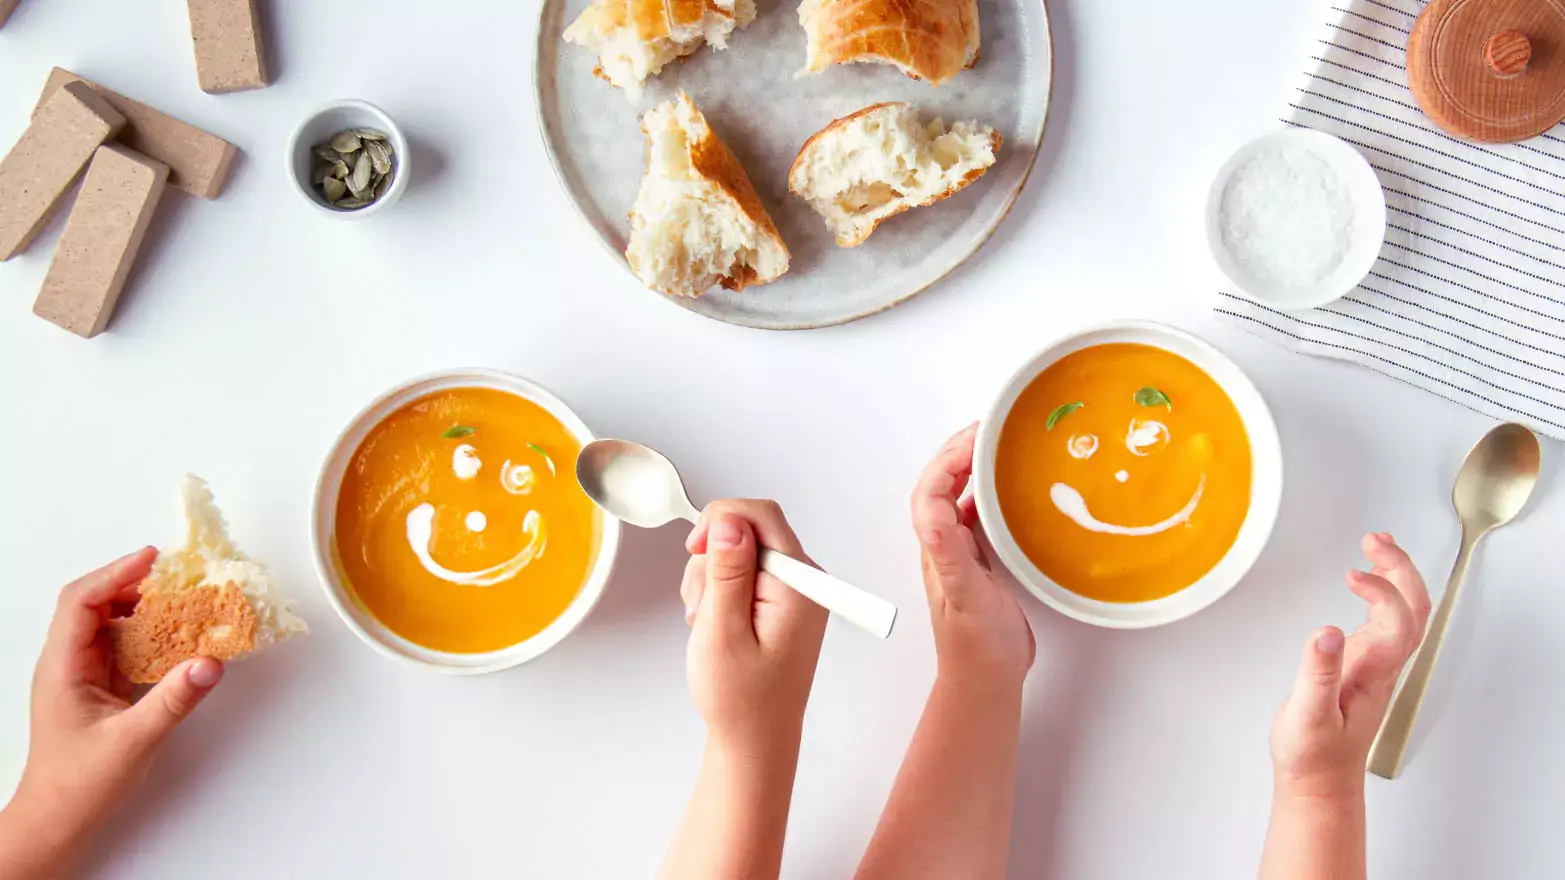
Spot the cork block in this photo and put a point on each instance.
(40, 168)
(101, 238)
(229, 53)
(197, 162)
(6, 8)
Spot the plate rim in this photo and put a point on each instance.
(687, 303)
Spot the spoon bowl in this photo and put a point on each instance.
(1497, 478)
(634, 483)
(639, 485)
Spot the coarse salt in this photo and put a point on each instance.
(1287, 217)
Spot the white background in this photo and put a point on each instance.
(253, 327)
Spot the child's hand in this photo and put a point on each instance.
(980, 630)
(754, 641)
(90, 747)
(1322, 736)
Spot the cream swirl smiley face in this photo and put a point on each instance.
(1143, 438)
(517, 479)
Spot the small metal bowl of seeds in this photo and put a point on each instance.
(349, 159)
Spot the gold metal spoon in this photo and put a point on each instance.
(1491, 489)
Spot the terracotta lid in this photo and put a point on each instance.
(1490, 70)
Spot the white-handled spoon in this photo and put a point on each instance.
(639, 485)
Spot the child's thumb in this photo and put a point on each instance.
(731, 559)
(1317, 693)
(157, 713)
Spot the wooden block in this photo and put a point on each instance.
(101, 238)
(6, 8)
(229, 54)
(40, 168)
(197, 162)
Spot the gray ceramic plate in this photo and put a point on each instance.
(764, 113)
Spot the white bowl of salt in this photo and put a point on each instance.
(1296, 218)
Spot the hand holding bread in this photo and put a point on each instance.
(90, 744)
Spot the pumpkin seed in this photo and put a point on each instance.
(359, 181)
(320, 174)
(327, 153)
(380, 156)
(369, 134)
(335, 190)
(345, 142)
(383, 187)
(352, 203)
(340, 170)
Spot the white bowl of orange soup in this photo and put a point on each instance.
(1128, 475)
(449, 529)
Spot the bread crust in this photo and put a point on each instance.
(854, 241)
(711, 159)
(931, 40)
(170, 627)
(654, 19)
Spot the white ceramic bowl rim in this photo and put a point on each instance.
(302, 142)
(1369, 220)
(1265, 481)
(323, 529)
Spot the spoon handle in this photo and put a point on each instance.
(866, 610)
(1396, 729)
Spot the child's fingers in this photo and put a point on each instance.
(731, 558)
(1393, 563)
(76, 618)
(766, 519)
(692, 586)
(950, 554)
(1317, 692)
(1388, 637)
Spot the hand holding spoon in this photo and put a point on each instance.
(639, 485)
(1491, 489)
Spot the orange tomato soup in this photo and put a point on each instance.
(454, 530)
(1141, 484)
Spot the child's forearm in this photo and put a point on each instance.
(32, 847)
(737, 817)
(950, 810)
(1315, 838)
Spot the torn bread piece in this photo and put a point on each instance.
(883, 160)
(931, 40)
(635, 39)
(697, 220)
(206, 598)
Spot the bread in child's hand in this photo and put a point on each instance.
(634, 39)
(931, 40)
(697, 220)
(206, 599)
(168, 628)
(883, 160)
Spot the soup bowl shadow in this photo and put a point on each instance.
(323, 531)
(1265, 480)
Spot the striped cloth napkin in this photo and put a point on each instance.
(1467, 300)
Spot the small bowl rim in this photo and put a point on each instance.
(393, 131)
(1370, 221)
(1266, 482)
(323, 529)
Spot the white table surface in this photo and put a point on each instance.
(253, 327)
